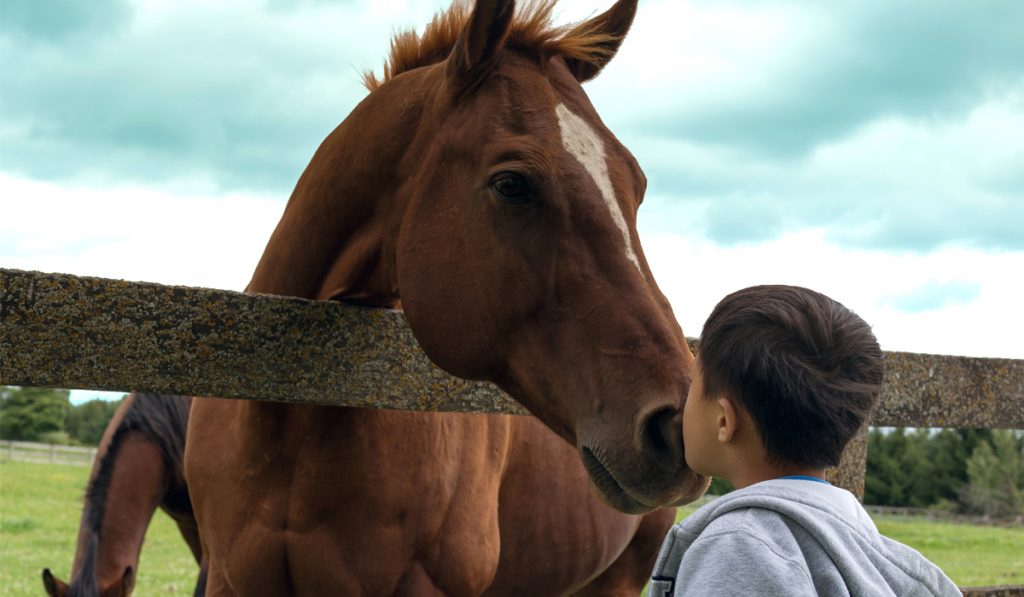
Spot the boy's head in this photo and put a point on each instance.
(806, 370)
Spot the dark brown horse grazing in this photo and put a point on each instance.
(138, 468)
(477, 189)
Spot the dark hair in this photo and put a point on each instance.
(806, 368)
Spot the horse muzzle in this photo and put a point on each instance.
(646, 473)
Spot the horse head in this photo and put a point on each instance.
(122, 587)
(477, 188)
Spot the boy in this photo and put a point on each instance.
(783, 380)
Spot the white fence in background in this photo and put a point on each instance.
(47, 453)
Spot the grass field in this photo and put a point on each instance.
(40, 505)
(973, 556)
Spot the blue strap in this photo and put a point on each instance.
(806, 478)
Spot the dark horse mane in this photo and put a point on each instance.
(163, 419)
(531, 31)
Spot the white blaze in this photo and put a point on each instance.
(582, 141)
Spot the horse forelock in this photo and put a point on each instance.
(532, 31)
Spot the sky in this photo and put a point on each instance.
(869, 149)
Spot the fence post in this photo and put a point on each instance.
(853, 465)
(53, 453)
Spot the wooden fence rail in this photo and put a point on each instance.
(65, 331)
(49, 453)
(90, 333)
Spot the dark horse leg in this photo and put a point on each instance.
(201, 581)
(190, 533)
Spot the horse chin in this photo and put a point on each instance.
(696, 489)
(622, 499)
(609, 489)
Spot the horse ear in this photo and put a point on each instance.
(613, 24)
(480, 40)
(127, 581)
(54, 586)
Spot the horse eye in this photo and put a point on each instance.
(512, 187)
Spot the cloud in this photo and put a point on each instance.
(134, 233)
(953, 300)
(934, 295)
(226, 95)
(896, 183)
(81, 396)
(896, 126)
(290, 5)
(778, 79)
(58, 20)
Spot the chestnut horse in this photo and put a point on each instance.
(476, 189)
(138, 468)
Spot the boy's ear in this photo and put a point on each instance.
(727, 420)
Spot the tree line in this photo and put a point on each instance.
(959, 471)
(47, 415)
(967, 471)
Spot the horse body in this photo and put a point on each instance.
(302, 523)
(556, 535)
(478, 191)
(138, 468)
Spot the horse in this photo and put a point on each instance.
(138, 468)
(476, 189)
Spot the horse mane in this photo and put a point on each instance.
(531, 31)
(86, 584)
(163, 419)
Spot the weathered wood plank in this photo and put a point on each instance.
(90, 333)
(925, 390)
(66, 331)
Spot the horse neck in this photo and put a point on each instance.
(336, 238)
(124, 492)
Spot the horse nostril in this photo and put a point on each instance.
(663, 434)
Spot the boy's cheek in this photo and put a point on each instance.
(691, 454)
(690, 462)
(700, 467)
(700, 454)
(703, 467)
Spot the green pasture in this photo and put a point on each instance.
(973, 556)
(40, 505)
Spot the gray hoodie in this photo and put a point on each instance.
(789, 537)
